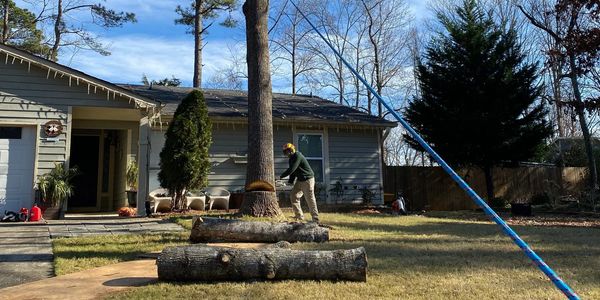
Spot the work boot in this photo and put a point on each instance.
(298, 218)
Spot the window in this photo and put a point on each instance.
(311, 146)
(10, 133)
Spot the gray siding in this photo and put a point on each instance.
(354, 159)
(228, 141)
(34, 97)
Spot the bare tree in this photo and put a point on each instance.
(388, 31)
(234, 75)
(570, 20)
(289, 43)
(194, 16)
(337, 20)
(70, 31)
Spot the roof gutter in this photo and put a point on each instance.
(242, 121)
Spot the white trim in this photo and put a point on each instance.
(140, 102)
(322, 158)
(38, 129)
(327, 175)
(380, 159)
(68, 139)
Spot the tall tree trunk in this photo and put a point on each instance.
(57, 31)
(197, 82)
(5, 22)
(369, 102)
(583, 123)
(294, 75)
(557, 94)
(260, 123)
(489, 183)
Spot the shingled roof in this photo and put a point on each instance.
(234, 104)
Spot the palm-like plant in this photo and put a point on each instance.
(56, 186)
(132, 175)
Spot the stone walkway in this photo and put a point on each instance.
(99, 282)
(26, 248)
(25, 253)
(87, 225)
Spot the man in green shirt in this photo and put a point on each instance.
(300, 171)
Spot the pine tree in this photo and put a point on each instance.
(479, 97)
(195, 16)
(184, 163)
(18, 28)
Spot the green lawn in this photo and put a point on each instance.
(410, 257)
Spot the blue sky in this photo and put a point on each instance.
(155, 46)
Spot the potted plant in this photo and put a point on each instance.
(132, 178)
(55, 187)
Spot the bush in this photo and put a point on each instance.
(498, 202)
(540, 199)
(184, 162)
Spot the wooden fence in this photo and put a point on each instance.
(430, 188)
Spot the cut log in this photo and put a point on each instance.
(202, 263)
(227, 230)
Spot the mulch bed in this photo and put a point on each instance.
(564, 219)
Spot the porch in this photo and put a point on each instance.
(103, 142)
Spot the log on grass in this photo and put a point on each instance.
(230, 230)
(203, 263)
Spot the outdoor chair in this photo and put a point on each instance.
(219, 197)
(160, 198)
(196, 200)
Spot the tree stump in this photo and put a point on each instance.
(226, 230)
(260, 204)
(202, 263)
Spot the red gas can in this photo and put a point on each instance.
(36, 214)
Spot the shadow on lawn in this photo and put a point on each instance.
(120, 248)
(459, 247)
(470, 230)
(393, 258)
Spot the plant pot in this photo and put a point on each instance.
(235, 200)
(51, 212)
(520, 209)
(132, 198)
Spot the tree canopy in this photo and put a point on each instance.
(19, 29)
(478, 103)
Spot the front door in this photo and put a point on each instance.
(85, 156)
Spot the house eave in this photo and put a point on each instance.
(54, 70)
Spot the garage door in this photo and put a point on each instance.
(17, 148)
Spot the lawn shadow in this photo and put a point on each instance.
(131, 281)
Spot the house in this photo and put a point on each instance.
(50, 113)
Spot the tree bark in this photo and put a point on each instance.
(260, 204)
(5, 22)
(57, 31)
(197, 263)
(583, 123)
(489, 183)
(197, 82)
(260, 122)
(229, 230)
